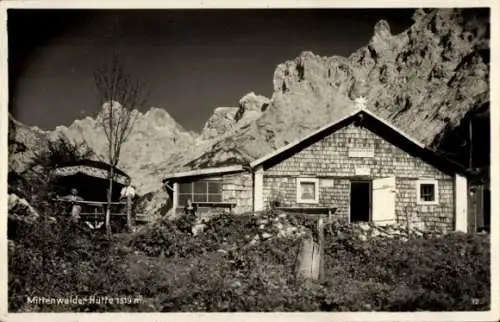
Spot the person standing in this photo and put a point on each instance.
(190, 208)
(190, 211)
(76, 208)
(128, 193)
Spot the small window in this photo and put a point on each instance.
(427, 192)
(307, 190)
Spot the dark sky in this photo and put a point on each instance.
(192, 60)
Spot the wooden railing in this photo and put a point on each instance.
(96, 210)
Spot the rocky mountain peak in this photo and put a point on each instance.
(423, 80)
(226, 120)
(221, 121)
(251, 107)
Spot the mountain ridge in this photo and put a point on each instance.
(424, 80)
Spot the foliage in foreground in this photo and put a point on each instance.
(432, 272)
(448, 272)
(62, 260)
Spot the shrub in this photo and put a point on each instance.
(256, 278)
(174, 238)
(168, 238)
(62, 259)
(449, 272)
(222, 231)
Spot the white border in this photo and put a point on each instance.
(316, 190)
(492, 315)
(436, 191)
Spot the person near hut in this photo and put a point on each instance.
(76, 208)
(128, 193)
(128, 190)
(190, 208)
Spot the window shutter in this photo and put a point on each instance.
(384, 201)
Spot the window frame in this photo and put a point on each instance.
(315, 181)
(206, 192)
(419, 184)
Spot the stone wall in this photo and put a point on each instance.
(330, 160)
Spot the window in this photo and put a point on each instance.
(200, 191)
(427, 192)
(307, 190)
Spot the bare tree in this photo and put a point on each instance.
(119, 95)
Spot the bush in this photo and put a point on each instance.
(258, 278)
(449, 272)
(168, 238)
(174, 238)
(61, 260)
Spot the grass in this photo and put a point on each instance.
(449, 272)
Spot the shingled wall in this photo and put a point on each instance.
(238, 188)
(329, 160)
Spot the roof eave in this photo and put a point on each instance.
(203, 172)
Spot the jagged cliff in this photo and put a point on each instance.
(154, 134)
(424, 80)
(227, 119)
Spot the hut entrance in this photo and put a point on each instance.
(360, 201)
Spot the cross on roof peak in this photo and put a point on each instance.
(360, 102)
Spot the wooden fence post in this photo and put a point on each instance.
(304, 268)
(129, 206)
(310, 262)
(321, 246)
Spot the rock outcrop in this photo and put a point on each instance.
(221, 121)
(20, 210)
(225, 120)
(154, 204)
(24, 142)
(251, 107)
